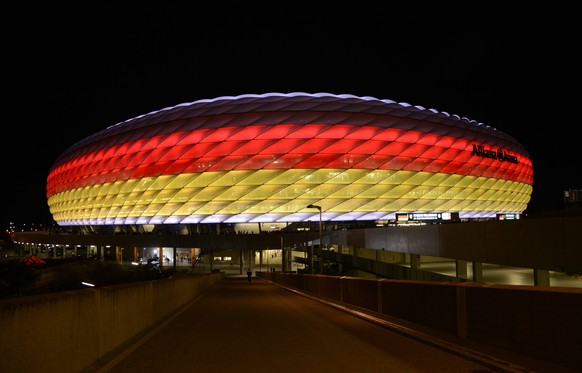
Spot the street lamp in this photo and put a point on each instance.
(320, 243)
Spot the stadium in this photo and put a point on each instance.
(272, 158)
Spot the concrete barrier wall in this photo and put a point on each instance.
(541, 322)
(545, 323)
(68, 332)
(428, 303)
(360, 292)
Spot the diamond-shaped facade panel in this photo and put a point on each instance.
(267, 157)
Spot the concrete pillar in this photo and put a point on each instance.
(379, 293)
(414, 261)
(414, 265)
(461, 312)
(174, 256)
(541, 277)
(312, 260)
(461, 268)
(477, 272)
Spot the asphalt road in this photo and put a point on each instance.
(241, 326)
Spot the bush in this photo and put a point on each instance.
(16, 277)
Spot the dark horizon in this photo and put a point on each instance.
(79, 76)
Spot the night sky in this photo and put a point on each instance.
(73, 72)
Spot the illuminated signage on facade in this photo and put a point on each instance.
(499, 154)
(427, 216)
(424, 216)
(508, 216)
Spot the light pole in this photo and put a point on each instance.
(320, 243)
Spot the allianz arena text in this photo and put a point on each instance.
(267, 157)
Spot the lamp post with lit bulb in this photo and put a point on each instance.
(320, 243)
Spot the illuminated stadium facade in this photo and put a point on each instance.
(265, 158)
